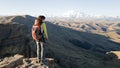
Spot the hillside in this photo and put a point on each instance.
(104, 27)
(70, 48)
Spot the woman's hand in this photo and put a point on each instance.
(46, 38)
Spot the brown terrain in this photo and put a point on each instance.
(71, 44)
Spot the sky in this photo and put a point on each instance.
(59, 7)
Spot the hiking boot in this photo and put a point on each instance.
(37, 61)
(41, 63)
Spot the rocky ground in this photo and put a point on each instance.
(18, 61)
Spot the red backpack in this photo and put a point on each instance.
(36, 31)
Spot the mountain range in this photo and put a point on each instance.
(73, 14)
(81, 44)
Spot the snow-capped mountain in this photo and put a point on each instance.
(74, 14)
(85, 15)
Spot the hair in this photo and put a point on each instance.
(41, 17)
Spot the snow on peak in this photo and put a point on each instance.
(74, 14)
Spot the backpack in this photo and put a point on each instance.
(36, 32)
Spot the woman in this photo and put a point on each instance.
(39, 34)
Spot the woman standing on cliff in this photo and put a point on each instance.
(39, 34)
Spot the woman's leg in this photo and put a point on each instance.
(38, 50)
(42, 49)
